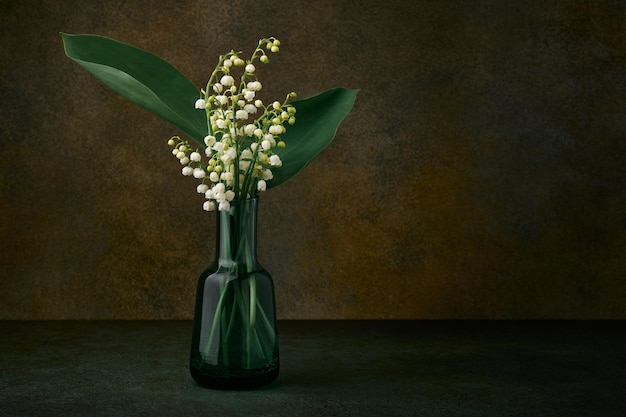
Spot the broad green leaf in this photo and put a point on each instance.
(317, 120)
(141, 77)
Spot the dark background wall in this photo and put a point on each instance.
(481, 174)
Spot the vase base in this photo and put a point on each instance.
(217, 378)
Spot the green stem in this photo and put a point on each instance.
(216, 318)
(239, 305)
(266, 322)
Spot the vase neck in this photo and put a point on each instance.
(236, 235)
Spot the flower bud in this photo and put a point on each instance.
(200, 104)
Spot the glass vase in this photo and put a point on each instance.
(234, 341)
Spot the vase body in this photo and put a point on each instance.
(234, 341)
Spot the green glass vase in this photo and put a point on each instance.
(234, 340)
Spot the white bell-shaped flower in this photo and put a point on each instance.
(275, 161)
(224, 205)
(209, 205)
(199, 173)
(227, 81)
(249, 129)
(250, 108)
(209, 140)
(249, 95)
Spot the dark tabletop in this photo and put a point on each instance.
(328, 368)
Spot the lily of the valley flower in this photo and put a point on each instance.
(275, 161)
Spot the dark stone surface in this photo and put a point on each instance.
(329, 368)
(481, 174)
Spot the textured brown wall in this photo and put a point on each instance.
(481, 174)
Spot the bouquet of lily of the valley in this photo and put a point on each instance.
(240, 145)
(235, 145)
(242, 131)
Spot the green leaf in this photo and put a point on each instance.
(317, 120)
(141, 77)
